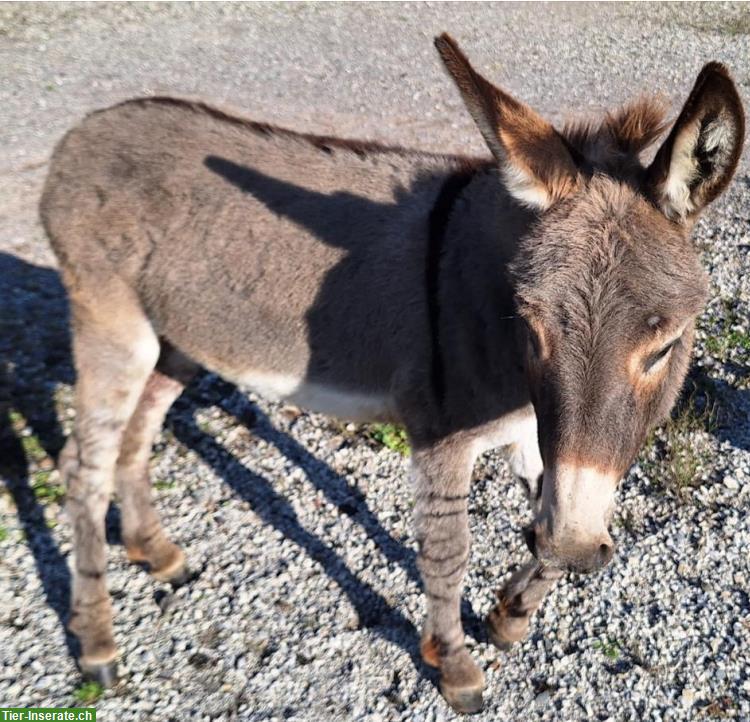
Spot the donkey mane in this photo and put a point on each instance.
(611, 144)
(615, 142)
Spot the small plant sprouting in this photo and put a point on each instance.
(44, 490)
(610, 648)
(18, 422)
(677, 455)
(33, 448)
(731, 339)
(391, 436)
(88, 692)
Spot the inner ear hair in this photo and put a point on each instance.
(617, 140)
(701, 153)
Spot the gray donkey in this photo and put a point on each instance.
(542, 299)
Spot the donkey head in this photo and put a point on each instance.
(607, 282)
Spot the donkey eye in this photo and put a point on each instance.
(654, 359)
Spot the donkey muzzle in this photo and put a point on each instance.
(579, 559)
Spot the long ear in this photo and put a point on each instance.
(701, 153)
(536, 163)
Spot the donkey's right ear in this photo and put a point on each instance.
(536, 163)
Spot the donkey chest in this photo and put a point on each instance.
(516, 427)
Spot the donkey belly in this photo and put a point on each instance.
(343, 403)
(278, 348)
(272, 309)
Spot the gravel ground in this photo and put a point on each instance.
(308, 605)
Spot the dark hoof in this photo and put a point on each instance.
(105, 674)
(463, 701)
(504, 629)
(184, 576)
(500, 642)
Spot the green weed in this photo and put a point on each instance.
(33, 448)
(88, 692)
(730, 339)
(44, 490)
(391, 436)
(610, 648)
(677, 455)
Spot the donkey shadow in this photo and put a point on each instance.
(35, 357)
(725, 406)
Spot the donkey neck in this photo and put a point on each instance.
(477, 329)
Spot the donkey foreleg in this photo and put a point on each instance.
(442, 488)
(509, 621)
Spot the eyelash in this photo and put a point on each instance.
(659, 355)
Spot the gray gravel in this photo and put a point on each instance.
(308, 605)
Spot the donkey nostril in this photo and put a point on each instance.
(530, 536)
(605, 553)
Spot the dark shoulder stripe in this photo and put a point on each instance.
(324, 143)
(438, 223)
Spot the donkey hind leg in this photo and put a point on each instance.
(509, 621)
(114, 354)
(142, 532)
(441, 515)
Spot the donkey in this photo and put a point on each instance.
(542, 299)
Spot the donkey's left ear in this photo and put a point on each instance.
(700, 155)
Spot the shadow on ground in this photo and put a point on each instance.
(35, 358)
(728, 407)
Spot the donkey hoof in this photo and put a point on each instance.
(502, 644)
(105, 673)
(461, 682)
(463, 700)
(184, 576)
(504, 630)
(496, 636)
(175, 572)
